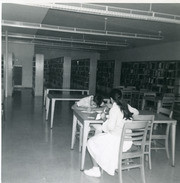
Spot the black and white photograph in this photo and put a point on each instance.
(90, 91)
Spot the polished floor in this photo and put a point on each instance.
(33, 153)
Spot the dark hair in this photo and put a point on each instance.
(98, 99)
(116, 95)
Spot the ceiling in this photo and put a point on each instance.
(91, 26)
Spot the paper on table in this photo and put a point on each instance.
(98, 116)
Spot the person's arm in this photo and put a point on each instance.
(110, 123)
(133, 110)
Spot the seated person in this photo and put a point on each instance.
(91, 101)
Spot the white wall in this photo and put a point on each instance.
(161, 52)
(56, 52)
(24, 55)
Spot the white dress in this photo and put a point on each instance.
(104, 147)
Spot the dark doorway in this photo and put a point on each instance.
(17, 76)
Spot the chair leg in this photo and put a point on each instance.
(149, 156)
(120, 173)
(142, 170)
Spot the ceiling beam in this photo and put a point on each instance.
(110, 11)
(105, 33)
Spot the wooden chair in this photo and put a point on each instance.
(150, 105)
(168, 100)
(147, 151)
(162, 137)
(140, 97)
(135, 131)
(120, 87)
(127, 96)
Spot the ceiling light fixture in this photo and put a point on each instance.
(63, 39)
(40, 43)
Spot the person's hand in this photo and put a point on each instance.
(103, 116)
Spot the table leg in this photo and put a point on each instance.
(173, 142)
(47, 107)
(45, 95)
(143, 104)
(52, 111)
(73, 131)
(85, 137)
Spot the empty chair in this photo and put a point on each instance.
(158, 138)
(130, 88)
(151, 103)
(149, 118)
(168, 100)
(140, 97)
(120, 87)
(135, 131)
(127, 95)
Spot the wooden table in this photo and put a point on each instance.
(48, 90)
(160, 119)
(59, 97)
(86, 119)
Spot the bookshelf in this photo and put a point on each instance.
(157, 76)
(105, 76)
(53, 72)
(80, 73)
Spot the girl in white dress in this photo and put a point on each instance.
(104, 147)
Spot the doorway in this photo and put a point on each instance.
(17, 76)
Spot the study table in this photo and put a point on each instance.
(86, 118)
(49, 90)
(52, 98)
(90, 118)
(162, 119)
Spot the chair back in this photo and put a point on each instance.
(127, 96)
(135, 131)
(165, 111)
(149, 118)
(168, 100)
(130, 88)
(120, 87)
(149, 94)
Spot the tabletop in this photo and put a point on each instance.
(65, 96)
(157, 116)
(88, 113)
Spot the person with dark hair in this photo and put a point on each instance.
(104, 147)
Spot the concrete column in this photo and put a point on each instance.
(92, 75)
(67, 73)
(117, 73)
(5, 64)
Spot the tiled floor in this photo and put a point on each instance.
(32, 153)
